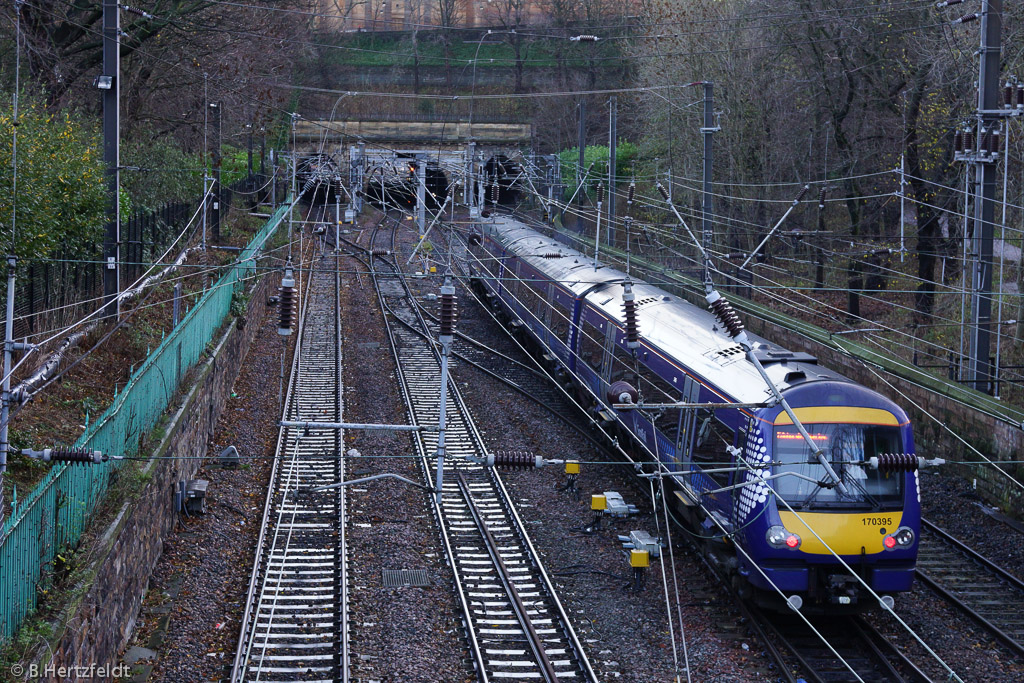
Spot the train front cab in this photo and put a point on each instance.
(793, 531)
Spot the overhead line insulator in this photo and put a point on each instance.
(449, 310)
(629, 312)
(77, 456)
(286, 303)
(517, 460)
(726, 315)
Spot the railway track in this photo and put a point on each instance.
(980, 588)
(871, 656)
(295, 623)
(516, 627)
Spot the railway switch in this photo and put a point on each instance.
(608, 504)
(616, 506)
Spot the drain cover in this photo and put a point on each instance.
(399, 578)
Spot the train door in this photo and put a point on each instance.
(687, 422)
(574, 332)
(499, 286)
(609, 353)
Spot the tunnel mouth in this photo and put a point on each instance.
(393, 185)
(504, 173)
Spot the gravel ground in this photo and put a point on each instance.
(397, 634)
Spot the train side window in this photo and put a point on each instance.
(623, 363)
(710, 445)
(549, 304)
(592, 344)
(654, 389)
(538, 299)
(510, 277)
(559, 319)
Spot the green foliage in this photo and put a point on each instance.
(234, 163)
(164, 172)
(239, 302)
(61, 196)
(626, 154)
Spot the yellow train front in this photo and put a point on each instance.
(818, 541)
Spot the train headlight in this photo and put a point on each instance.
(779, 537)
(903, 538)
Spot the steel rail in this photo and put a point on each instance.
(512, 528)
(536, 643)
(297, 606)
(260, 541)
(850, 634)
(1004, 590)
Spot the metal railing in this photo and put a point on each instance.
(53, 516)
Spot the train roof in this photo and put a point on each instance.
(668, 324)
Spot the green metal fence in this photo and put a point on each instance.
(52, 517)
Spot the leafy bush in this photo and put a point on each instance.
(159, 172)
(61, 198)
(626, 154)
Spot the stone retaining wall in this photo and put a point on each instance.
(97, 624)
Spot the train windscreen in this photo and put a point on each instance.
(846, 447)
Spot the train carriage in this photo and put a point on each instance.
(746, 478)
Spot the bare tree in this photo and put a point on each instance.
(511, 15)
(449, 12)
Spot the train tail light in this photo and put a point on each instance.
(903, 538)
(779, 537)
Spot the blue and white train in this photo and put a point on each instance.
(749, 484)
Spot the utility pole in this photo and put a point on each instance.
(249, 126)
(110, 82)
(216, 192)
(979, 366)
(468, 195)
(707, 208)
(357, 191)
(581, 141)
(421, 194)
(263, 151)
(481, 197)
(613, 115)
